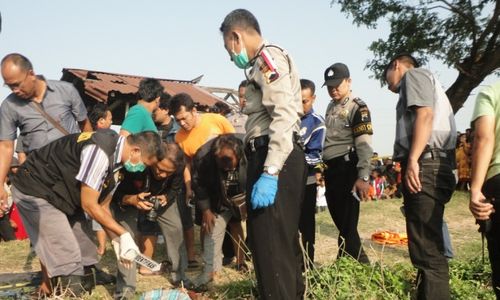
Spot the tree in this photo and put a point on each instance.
(463, 34)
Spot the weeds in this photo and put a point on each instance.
(348, 279)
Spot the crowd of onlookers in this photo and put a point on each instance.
(385, 177)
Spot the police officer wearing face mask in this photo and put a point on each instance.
(347, 153)
(64, 179)
(276, 172)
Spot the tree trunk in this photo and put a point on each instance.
(469, 79)
(460, 90)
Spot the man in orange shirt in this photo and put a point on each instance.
(196, 129)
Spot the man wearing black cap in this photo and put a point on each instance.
(424, 144)
(347, 153)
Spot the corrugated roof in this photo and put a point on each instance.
(98, 84)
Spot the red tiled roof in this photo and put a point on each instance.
(98, 84)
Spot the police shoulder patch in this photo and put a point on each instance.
(268, 67)
(84, 136)
(362, 128)
(359, 102)
(362, 110)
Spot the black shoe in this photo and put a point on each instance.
(185, 283)
(103, 278)
(226, 261)
(166, 267)
(202, 288)
(89, 278)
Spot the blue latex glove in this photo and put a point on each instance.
(264, 191)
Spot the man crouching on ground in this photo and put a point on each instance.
(64, 179)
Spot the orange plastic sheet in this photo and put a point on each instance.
(390, 238)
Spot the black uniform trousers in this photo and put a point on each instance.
(273, 231)
(424, 222)
(340, 177)
(491, 189)
(307, 223)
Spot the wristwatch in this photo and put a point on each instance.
(272, 170)
(365, 178)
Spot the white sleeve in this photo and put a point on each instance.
(94, 167)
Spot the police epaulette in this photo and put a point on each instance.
(268, 67)
(284, 52)
(359, 101)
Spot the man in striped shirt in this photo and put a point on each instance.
(63, 179)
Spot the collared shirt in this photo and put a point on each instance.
(274, 102)
(138, 119)
(488, 104)
(135, 183)
(419, 88)
(168, 132)
(342, 118)
(211, 126)
(95, 164)
(61, 101)
(207, 179)
(348, 126)
(312, 131)
(238, 121)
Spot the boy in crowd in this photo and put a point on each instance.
(312, 130)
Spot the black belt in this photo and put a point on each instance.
(434, 154)
(343, 158)
(256, 143)
(263, 140)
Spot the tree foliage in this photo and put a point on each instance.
(463, 34)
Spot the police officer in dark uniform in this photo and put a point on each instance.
(276, 173)
(347, 153)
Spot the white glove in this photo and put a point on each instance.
(128, 248)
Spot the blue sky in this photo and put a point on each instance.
(180, 40)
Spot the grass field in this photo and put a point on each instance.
(376, 215)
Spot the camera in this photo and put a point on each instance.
(152, 215)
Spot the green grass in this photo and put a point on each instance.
(390, 276)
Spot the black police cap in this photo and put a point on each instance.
(335, 74)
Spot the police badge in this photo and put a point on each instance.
(344, 114)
